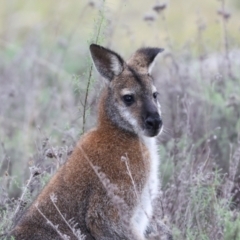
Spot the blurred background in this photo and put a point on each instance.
(49, 90)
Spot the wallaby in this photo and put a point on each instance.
(113, 167)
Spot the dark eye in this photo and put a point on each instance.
(155, 95)
(128, 99)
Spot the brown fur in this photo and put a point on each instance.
(80, 190)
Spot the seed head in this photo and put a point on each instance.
(224, 14)
(159, 7)
(149, 17)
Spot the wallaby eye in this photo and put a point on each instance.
(128, 99)
(155, 94)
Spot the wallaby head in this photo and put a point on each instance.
(131, 100)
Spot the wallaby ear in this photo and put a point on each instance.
(144, 59)
(107, 62)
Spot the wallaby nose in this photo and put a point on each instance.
(153, 122)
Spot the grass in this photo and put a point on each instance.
(48, 98)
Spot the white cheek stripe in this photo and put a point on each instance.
(127, 115)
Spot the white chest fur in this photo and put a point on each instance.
(144, 210)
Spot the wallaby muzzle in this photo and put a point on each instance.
(153, 125)
(152, 119)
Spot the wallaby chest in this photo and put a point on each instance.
(144, 209)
